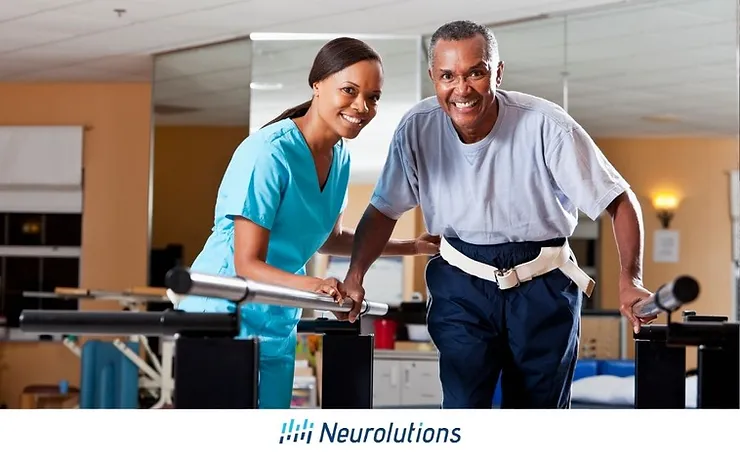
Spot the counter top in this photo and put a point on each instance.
(406, 355)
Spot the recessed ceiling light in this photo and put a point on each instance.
(265, 86)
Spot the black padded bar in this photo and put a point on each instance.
(127, 323)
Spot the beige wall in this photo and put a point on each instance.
(697, 170)
(183, 204)
(115, 221)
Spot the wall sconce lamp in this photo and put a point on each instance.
(666, 205)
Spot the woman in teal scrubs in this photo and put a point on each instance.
(281, 201)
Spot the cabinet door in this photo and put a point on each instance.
(420, 384)
(386, 383)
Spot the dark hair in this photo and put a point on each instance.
(462, 30)
(333, 57)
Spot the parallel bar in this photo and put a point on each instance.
(127, 323)
(184, 282)
(669, 297)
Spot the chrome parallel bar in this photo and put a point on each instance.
(669, 297)
(183, 281)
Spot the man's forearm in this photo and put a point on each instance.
(342, 244)
(370, 240)
(629, 233)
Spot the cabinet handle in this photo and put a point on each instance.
(406, 377)
(394, 376)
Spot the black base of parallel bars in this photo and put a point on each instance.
(660, 363)
(215, 370)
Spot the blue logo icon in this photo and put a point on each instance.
(291, 431)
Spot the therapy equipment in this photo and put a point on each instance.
(155, 376)
(215, 370)
(660, 354)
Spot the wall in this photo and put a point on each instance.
(116, 203)
(183, 208)
(697, 170)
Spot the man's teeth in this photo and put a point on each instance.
(351, 119)
(466, 104)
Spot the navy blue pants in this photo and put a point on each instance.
(528, 335)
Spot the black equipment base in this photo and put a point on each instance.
(347, 372)
(660, 363)
(216, 372)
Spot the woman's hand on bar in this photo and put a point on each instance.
(333, 288)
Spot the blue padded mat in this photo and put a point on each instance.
(617, 367)
(109, 380)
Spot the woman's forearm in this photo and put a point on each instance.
(262, 272)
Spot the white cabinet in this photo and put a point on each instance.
(386, 383)
(406, 379)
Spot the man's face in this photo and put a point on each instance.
(462, 79)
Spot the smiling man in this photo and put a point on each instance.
(500, 177)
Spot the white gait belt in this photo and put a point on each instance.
(549, 259)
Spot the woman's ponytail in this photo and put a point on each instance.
(290, 113)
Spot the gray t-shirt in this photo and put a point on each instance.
(525, 181)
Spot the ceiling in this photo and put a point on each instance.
(90, 40)
(657, 68)
(642, 67)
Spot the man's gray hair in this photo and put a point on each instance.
(462, 30)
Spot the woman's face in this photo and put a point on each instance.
(348, 100)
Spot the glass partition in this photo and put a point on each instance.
(201, 113)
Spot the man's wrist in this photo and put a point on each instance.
(630, 278)
(354, 275)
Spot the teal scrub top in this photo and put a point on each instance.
(271, 180)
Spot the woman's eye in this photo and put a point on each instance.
(349, 90)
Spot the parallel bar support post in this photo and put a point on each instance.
(347, 377)
(719, 386)
(660, 379)
(216, 373)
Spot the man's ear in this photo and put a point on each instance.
(499, 73)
